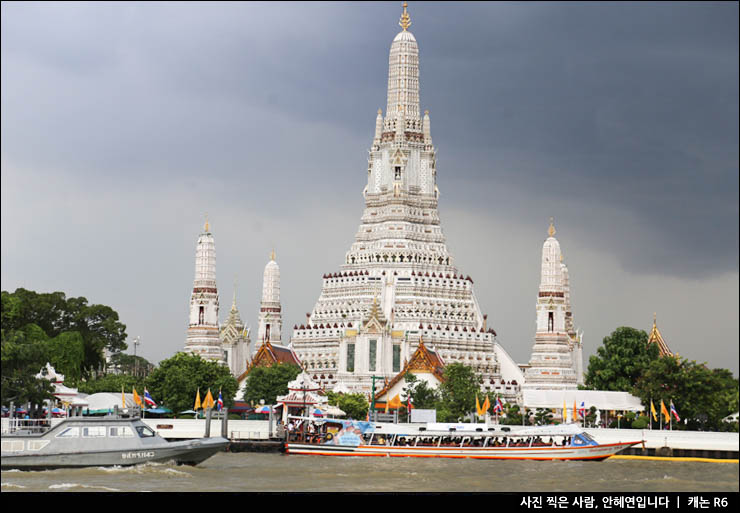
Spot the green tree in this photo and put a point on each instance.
(267, 383)
(702, 396)
(457, 392)
(620, 361)
(97, 326)
(112, 383)
(543, 416)
(132, 365)
(355, 406)
(24, 353)
(422, 395)
(175, 382)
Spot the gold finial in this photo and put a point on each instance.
(207, 226)
(272, 255)
(380, 111)
(655, 318)
(405, 18)
(551, 230)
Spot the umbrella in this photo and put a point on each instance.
(263, 409)
(159, 410)
(317, 413)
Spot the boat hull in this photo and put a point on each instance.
(592, 452)
(186, 453)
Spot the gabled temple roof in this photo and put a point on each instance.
(268, 355)
(424, 360)
(656, 338)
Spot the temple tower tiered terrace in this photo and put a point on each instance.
(398, 282)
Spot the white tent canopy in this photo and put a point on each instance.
(107, 400)
(602, 400)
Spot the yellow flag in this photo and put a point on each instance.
(575, 410)
(197, 401)
(477, 406)
(664, 411)
(653, 411)
(396, 402)
(137, 399)
(208, 401)
(123, 397)
(486, 405)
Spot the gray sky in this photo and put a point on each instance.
(124, 123)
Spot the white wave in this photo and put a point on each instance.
(11, 485)
(69, 486)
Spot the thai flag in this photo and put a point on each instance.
(674, 412)
(220, 402)
(148, 399)
(498, 407)
(582, 409)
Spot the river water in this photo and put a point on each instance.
(260, 472)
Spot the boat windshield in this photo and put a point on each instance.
(144, 431)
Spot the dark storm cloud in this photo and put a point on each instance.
(130, 120)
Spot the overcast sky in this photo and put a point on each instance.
(124, 123)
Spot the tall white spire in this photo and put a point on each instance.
(203, 333)
(403, 73)
(271, 318)
(555, 360)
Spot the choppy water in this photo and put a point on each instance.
(257, 472)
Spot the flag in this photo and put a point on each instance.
(498, 407)
(396, 402)
(197, 406)
(582, 409)
(664, 411)
(220, 402)
(653, 411)
(565, 412)
(208, 401)
(148, 399)
(123, 398)
(575, 411)
(137, 399)
(674, 412)
(477, 406)
(486, 405)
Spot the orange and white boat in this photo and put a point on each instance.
(333, 437)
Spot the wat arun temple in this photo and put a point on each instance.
(398, 296)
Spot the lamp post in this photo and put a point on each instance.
(137, 341)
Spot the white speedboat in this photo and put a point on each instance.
(356, 438)
(115, 439)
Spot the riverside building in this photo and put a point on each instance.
(398, 283)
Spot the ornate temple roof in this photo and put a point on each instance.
(424, 360)
(656, 338)
(268, 355)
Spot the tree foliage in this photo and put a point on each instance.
(267, 383)
(355, 406)
(702, 396)
(620, 360)
(74, 333)
(112, 383)
(176, 381)
(457, 392)
(421, 394)
(626, 362)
